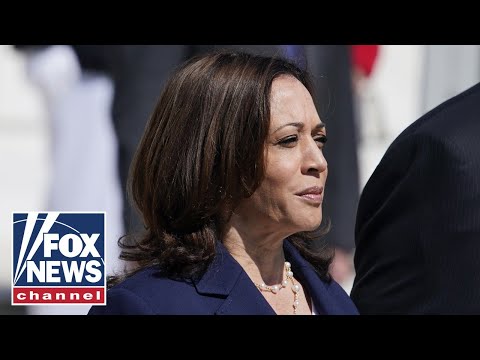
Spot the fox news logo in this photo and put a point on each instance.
(58, 258)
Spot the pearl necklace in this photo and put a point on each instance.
(276, 288)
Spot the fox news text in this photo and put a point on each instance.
(58, 258)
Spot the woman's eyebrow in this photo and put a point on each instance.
(300, 125)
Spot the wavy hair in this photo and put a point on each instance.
(201, 153)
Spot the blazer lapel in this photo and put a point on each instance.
(325, 302)
(225, 277)
(245, 299)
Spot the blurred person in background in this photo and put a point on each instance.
(83, 176)
(418, 221)
(229, 179)
(331, 66)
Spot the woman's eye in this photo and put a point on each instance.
(288, 141)
(321, 140)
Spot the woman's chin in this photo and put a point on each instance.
(312, 225)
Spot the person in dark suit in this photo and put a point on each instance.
(418, 221)
(229, 178)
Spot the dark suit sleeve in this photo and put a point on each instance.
(451, 237)
(418, 228)
(122, 302)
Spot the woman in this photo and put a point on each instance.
(229, 177)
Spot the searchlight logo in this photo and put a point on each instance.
(58, 258)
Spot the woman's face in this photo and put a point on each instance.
(290, 197)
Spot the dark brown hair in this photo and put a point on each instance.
(201, 153)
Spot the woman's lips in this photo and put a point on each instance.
(312, 197)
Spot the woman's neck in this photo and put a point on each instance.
(260, 254)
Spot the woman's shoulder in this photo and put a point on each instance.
(149, 281)
(148, 292)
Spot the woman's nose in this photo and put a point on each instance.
(313, 159)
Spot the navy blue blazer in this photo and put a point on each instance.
(225, 289)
